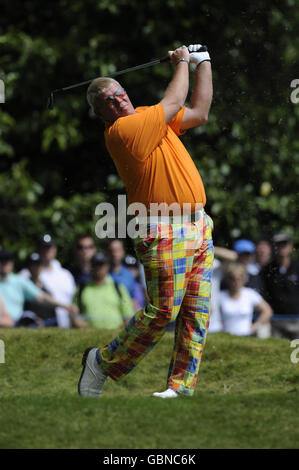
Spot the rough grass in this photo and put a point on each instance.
(246, 396)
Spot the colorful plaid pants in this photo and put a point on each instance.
(178, 260)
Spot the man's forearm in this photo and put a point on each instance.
(202, 93)
(48, 299)
(177, 89)
(225, 254)
(176, 92)
(6, 321)
(201, 98)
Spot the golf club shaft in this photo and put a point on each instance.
(50, 104)
(115, 74)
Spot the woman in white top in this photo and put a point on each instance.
(238, 303)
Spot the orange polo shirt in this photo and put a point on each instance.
(151, 160)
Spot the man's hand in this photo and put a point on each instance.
(78, 321)
(72, 309)
(180, 53)
(198, 57)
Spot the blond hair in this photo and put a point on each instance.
(235, 268)
(96, 89)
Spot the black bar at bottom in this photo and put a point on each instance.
(134, 458)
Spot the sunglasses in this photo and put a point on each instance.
(111, 98)
(85, 247)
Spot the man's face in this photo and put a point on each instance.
(116, 252)
(48, 253)
(245, 258)
(111, 110)
(6, 267)
(283, 249)
(99, 272)
(85, 249)
(263, 252)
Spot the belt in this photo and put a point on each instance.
(170, 219)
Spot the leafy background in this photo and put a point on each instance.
(54, 165)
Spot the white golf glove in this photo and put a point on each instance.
(198, 57)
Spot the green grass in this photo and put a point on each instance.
(246, 396)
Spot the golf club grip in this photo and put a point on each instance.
(202, 49)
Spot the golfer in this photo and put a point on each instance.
(177, 257)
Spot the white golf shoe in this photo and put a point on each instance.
(169, 393)
(92, 378)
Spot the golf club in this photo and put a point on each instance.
(51, 102)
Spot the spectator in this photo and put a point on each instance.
(6, 320)
(263, 253)
(281, 280)
(139, 295)
(57, 280)
(104, 303)
(16, 289)
(237, 305)
(84, 250)
(222, 256)
(43, 314)
(245, 250)
(118, 271)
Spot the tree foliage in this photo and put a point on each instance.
(54, 165)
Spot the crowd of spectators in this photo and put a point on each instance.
(255, 287)
(96, 289)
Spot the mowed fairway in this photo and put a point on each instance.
(247, 396)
